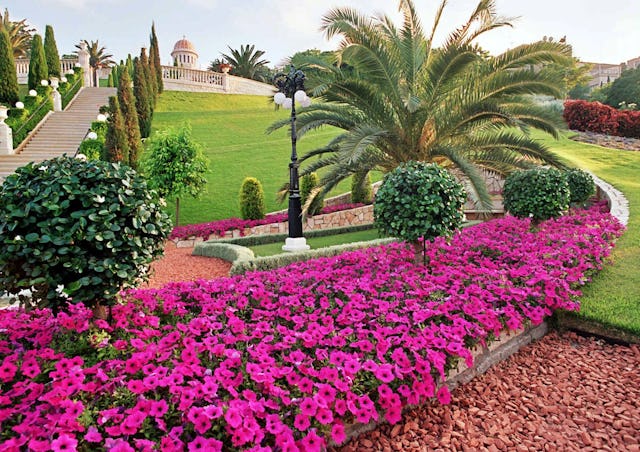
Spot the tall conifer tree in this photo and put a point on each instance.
(154, 55)
(38, 64)
(116, 147)
(9, 93)
(130, 118)
(140, 90)
(51, 52)
(150, 78)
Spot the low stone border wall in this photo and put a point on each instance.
(618, 204)
(484, 358)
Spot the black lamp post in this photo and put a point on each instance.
(291, 90)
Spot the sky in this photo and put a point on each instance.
(602, 31)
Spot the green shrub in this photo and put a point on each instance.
(539, 193)
(51, 52)
(9, 91)
(92, 149)
(361, 191)
(419, 200)
(225, 251)
(581, 185)
(251, 199)
(100, 128)
(76, 229)
(37, 64)
(308, 183)
(22, 122)
(70, 88)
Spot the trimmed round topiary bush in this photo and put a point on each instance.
(581, 185)
(77, 231)
(419, 199)
(251, 199)
(308, 183)
(539, 193)
(361, 191)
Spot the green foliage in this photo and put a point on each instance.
(92, 149)
(37, 64)
(625, 89)
(141, 92)
(35, 108)
(130, 119)
(419, 200)
(581, 185)
(71, 87)
(225, 251)
(402, 98)
(308, 188)
(150, 79)
(600, 93)
(247, 63)
(110, 82)
(174, 164)
(539, 193)
(83, 230)
(51, 52)
(154, 59)
(8, 77)
(361, 191)
(19, 34)
(116, 145)
(251, 199)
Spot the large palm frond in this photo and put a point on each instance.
(247, 62)
(20, 34)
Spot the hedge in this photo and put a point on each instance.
(599, 118)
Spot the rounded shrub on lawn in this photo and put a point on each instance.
(83, 230)
(308, 184)
(419, 200)
(251, 199)
(539, 193)
(581, 185)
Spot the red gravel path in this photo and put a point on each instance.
(178, 264)
(563, 393)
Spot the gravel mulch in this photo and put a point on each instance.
(563, 393)
(178, 264)
(608, 141)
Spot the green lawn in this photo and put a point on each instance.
(23, 90)
(270, 249)
(231, 129)
(613, 297)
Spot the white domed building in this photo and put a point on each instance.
(184, 54)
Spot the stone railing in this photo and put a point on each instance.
(22, 68)
(195, 80)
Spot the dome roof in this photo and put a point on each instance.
(184, 45)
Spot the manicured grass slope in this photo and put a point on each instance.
(231, 129)
(613, 297)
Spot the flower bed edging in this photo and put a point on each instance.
(484, 357)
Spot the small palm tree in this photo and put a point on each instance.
(98, 57)
(405, 99)
(20, 34)
(246, 63)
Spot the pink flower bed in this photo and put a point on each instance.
(283, 360)
(220, 227)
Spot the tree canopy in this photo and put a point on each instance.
(19, 32)
(247, 63)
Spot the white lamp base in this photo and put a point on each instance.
(295, 244)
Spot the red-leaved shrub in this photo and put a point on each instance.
(599, 118)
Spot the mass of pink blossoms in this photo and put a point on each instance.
(220, 227)
(284, 359)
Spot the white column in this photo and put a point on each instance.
(225, 82)
(83, 61)
(6, 134)
(55, 95)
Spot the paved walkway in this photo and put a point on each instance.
(61, 133)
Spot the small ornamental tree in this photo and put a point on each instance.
(417, 200)
(51, 52)
(140, 91)
(581, 185)
(77, 231)
(116, 146)
(361, 191)
(37, 64)
(539, 193)
(175, 165)
(130, 118)
(9, 92)
(308, 184)
(251, 199)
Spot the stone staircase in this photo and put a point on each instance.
(61, 133)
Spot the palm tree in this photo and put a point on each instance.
(246, 63)
(20, 34)
(405, 99)
(98, 57)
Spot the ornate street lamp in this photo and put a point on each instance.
(291, 90)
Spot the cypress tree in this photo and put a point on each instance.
(38, 64)
(140, 91)
(8, 78)
(116, 147)
(51, 52)
(129, 66)
(147, 75)
(130, 118)
(154, 55)
(110, 80)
